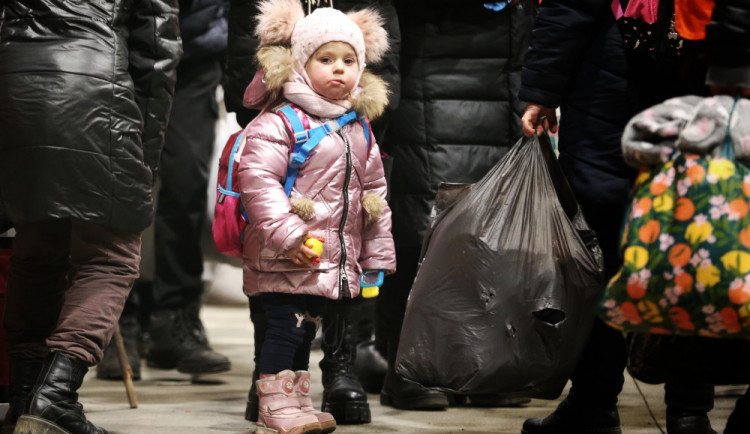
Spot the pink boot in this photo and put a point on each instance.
(302, 387)
(279, 409)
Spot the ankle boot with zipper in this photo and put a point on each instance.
(302, 387)
(404, 395)
(343, 395)
(53, 406)
(23, 375)
(279, 408)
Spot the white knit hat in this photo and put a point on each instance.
(322, 26)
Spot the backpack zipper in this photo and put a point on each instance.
(343, 281)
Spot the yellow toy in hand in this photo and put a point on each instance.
(315, 245)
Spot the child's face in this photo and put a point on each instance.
(333, 69)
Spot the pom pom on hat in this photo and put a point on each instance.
(283, 22)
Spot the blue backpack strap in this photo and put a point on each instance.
(366, 127)
(306, 140)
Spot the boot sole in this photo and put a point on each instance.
(581, 431)
(204, 369)
(28, 424)
(348, 413)
(304, 429)
(431, 403)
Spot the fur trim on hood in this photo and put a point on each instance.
(277, 65)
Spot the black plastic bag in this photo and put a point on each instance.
(508, 285)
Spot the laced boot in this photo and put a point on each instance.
(53, 406)
(23, 375)
(343, 395)
(178, 343)
(109, 368)
(405, 395)
(279, 409)
(260, 325)
(302, 387)
(571, 417)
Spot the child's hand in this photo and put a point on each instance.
(304, 255)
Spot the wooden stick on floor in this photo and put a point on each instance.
(127, 372)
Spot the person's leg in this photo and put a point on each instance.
(103, 267)
(591, 404)
(178, 224)
(38, 271)
(688, 404)
(739, 419)
(279, 406)
(260, 325)
(391, 307)
(343, 395)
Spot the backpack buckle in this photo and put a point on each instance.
(302, 136)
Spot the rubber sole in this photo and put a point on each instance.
(28, 424)
(431, 402)
(349, 412)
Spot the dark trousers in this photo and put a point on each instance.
(391, 302)
(292, 320)
(184, 171)
(67, 284)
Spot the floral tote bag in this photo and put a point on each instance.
(685, 250)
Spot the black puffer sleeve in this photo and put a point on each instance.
(559, 43)
(728, 39)
(241, 66)
(155, 50)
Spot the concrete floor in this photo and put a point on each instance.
(169, 402)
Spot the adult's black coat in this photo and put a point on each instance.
(458, 112)
(85, 92)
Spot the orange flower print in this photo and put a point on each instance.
(745, 237)
(630, 312)
(643, 206)
(681, 318)
(679, 254)
(684, 209)
(730, 320)
(636, 287)
(684, 281)
(738, 207)
(696, 173)
(649, 232)
(739, 291)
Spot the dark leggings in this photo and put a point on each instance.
(292, 323)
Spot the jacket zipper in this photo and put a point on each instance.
(343, 281)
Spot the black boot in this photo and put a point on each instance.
(739, 420)
(178, 341)
(53, 405)
(109, 368)
(369, 364)
(591, 404)
(399, 393)
(571, 417)
(23, 375)
(343, 395)
(260, 325)
(688, 405)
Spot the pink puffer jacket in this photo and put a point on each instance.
(338, 174)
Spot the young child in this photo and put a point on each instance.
(317, 63)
